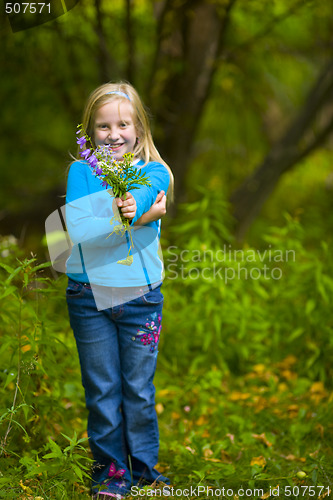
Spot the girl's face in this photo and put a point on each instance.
(114, 125)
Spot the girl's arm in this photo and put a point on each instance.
(156, 211)
(145, 196)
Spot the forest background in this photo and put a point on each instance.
(241, 100)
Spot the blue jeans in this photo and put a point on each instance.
(118, 351)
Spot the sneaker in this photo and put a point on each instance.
(101, 495)
(113, 486)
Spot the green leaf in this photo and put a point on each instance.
(126, 262)
(13, 274)
(41, 266)
(51, 455)
(10, 377)
(55, 448)
(9, 269)
(310, 305)
(77, 471)
(8, 291)
(295, 334)
(26, 279)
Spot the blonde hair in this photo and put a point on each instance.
(145, 148)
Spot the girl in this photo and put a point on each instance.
(117, 345)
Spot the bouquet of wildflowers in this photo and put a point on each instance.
(120, 175)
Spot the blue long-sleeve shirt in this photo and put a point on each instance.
(89, 210)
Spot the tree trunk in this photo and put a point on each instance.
(297, 142)
(190, 41)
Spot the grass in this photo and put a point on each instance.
(244, 387)
(266, 429)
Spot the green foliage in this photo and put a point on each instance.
(38, 390)
(250, 352)
(251, 304)
(244, 369)
(250, 432)
(265, 70)
(245, 364)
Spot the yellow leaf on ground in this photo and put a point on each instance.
(159, 408)
(261, 461)
(26, 347)
(260, 368)
(289, 375)
(262, 438)
(165, 392)
(282, 387)
(208, 453)
(292, 458)
(260, 403)
(315, 454)
(202, 420)
(318, 392)
(162, 468)
(236, 396)
(293, 411)
(25, 488)
(287, 362)
(326, 494)
(265, 495)
(317, 387)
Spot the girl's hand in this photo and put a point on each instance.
(156, 211)
(127, 205)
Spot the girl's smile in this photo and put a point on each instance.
(114, 126)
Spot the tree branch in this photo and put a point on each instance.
(266, 30)
(249, 198)
(193, 34)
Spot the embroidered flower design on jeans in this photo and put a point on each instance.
(115, 474)
(151, 333)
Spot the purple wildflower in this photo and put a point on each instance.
(81, 141)
(92, 161)
(99, 171)
(85, 153)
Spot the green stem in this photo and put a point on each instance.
(9, 428)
